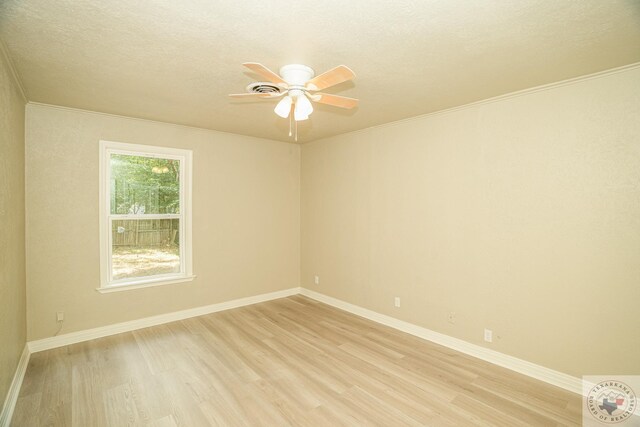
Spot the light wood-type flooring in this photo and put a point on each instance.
(287, 362)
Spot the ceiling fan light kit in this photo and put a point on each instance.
(303, 107)
(284, 107)
(295, 84)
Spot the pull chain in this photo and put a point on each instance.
(291, 118)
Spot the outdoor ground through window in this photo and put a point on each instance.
(129, 262)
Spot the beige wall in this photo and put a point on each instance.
(245, 218)
(13, 318)
(520, 215)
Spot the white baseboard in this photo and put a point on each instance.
(538, 372)
(103, 331)
(542, 373)
(14, 389)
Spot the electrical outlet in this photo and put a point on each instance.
(396, 302)
(60, 316)
(316, 280)
(488, 335)
(452, 317)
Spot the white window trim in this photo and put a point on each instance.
(186, 274)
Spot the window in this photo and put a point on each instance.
(145, 216)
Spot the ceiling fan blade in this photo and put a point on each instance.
(335, 100)
(330, 78)
(265, 72)
(255, 95)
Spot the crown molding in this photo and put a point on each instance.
(140, 119)
(506, 96)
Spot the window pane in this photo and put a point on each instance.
(145, 247)
(144, 185)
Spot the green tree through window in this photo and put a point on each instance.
(144, 185)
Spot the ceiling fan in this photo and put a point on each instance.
(297, 87)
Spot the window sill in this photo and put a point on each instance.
(144, 284)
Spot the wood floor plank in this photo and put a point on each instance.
(38, 367)
(487, 414)
(184, 410)
(87, 399)
(56, 400)
(167, 421)
(27, 410)
(377, 410)
(287, 362)
(120, 407)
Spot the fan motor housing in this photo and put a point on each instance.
(296, 74)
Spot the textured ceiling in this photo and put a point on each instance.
(176, 61)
